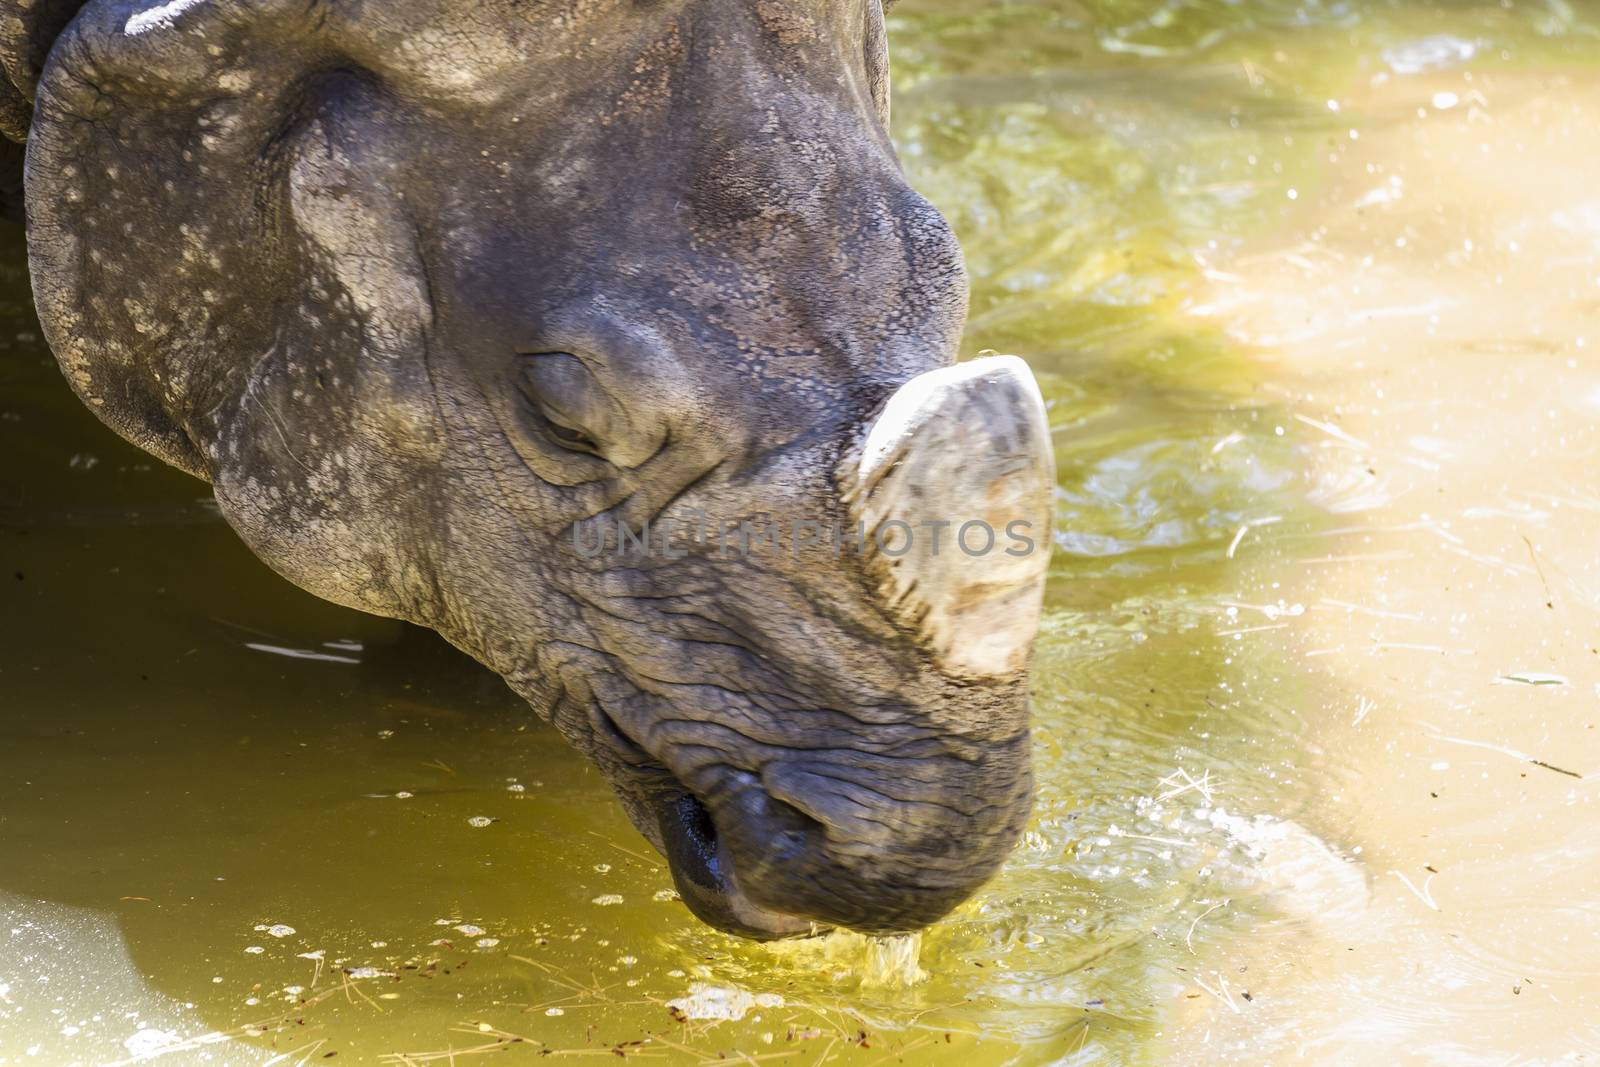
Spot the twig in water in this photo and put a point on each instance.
(1189, 937)
(1233, 546)
(305, 1054)
(1408, 646)
(1231, 439)
(1181, 781)
(1221, 992)
(1253, 629)
(1115, 832)
(1422, 894)
(1333, 431)
(1374, 612)
(1549, 598)
(1237, 537)
(353, 987)
(640, 856)
(919, 1043)
(316, 958)
(1514, 754)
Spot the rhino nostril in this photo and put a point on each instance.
(698, 819)
(704, 874)
(691, 839)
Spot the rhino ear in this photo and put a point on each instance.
(213, 234)
(28, 29)
(140, 142)
(359, 233)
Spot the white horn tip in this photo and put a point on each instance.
(955, 484)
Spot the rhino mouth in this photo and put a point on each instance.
(701, 863)
(703, 872)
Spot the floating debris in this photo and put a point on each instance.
(281, 930)
(706, 1001)
(607, 899)
(479, 821)
(1531, 678)
(662, 895)
(470, 930)
(148, 1042)
(300, 653)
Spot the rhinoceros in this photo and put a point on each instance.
(425, 288)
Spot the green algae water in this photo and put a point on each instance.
(1312, 289)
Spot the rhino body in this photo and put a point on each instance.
(426, 288)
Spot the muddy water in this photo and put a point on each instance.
(1313, 291)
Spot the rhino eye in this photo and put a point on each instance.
(561, 396)
(569, 438)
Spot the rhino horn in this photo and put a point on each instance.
(953, 487)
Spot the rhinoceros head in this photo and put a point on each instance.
(453, 302)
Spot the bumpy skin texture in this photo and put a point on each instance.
(311, 252)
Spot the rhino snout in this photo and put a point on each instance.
(810, 842)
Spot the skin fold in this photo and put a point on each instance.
(419, 286)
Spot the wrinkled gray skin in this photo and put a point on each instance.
(369, 266)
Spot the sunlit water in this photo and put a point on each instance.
(1313, 290)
